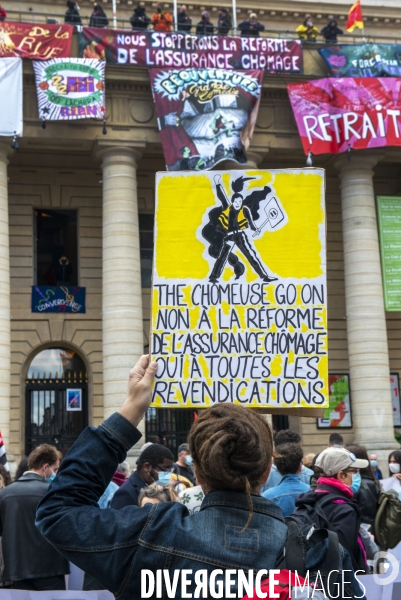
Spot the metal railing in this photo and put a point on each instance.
(52, 17)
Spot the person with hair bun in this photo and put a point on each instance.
(235, 529)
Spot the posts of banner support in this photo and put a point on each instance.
(122, 289)
(175, 15)
(366, 320)
(5, 334)
(114, 14)
(234, 4)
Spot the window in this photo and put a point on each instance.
(55, 238)
(56, 376)
(146, 225)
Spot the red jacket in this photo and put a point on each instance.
(3, 14)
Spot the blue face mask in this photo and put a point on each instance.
(373, 463)
(188, 460)
(164, 477)
(50, 479)
(356, 482)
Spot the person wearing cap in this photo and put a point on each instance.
(251, 27)
(337, 467)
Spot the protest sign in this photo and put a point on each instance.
(334, 115)
(178, 50)
(389, 217)
(70, 89)
(58, 299)
(205, 115)
(338, 413)
(38, 42)
(11, 121)
(239, 289)
(363, 60)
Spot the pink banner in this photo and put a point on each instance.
(333, 115)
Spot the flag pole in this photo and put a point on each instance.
(234, 4)
(114, 14)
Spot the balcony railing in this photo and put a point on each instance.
(348, 38)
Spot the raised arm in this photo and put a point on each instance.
(221, 194)
(102, 542)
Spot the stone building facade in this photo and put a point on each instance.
(109, 181)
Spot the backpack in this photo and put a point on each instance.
(388, 520)
(316, 554)
(307, 514)
(282, 588)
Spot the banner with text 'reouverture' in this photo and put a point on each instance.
(239, 289)
(205, 116)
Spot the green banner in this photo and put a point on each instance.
(389, 213)
(363, 60)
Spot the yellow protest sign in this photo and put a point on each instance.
(239, 289)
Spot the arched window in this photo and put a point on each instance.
(56, 399)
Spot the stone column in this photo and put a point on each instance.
(122, 290)
(5, 335)
(366, 320)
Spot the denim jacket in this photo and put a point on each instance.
(275, 477)
(115, 545)
(286, 492)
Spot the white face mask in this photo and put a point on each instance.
(394, 467)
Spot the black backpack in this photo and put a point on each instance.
(316, 555)
(307, 514)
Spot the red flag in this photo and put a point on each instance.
(355, 18)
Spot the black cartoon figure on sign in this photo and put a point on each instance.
(228, 225)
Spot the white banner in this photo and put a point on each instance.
(70, 88)
(10, 96)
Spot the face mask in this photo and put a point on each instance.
(164, 477)
(188, 460)
(50, 479)
(356, 482)
(309, 23)
(394, 467)
(373, 463)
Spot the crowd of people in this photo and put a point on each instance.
(162, 20)
(231, 482)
